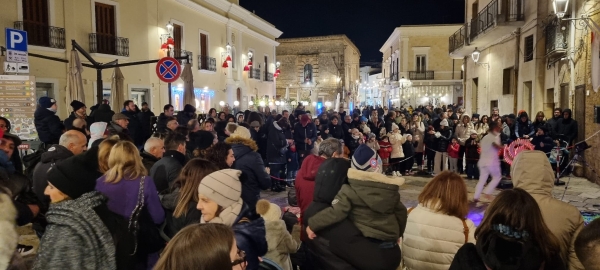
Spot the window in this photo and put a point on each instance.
(421, 63)
(105, 29)
(266, 68)
(528, 48)
(204, 57)
(35, 22)
(177, 38)
(308, 73)
(508, 81)
(233, 57)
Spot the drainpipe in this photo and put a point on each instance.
(571, 57)
(516, 68)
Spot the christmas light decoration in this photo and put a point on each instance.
(512, 150)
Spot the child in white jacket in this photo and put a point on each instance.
(396, 139)
(279, 240)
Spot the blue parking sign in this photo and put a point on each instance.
(16, 40)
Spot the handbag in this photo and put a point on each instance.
(146, 234)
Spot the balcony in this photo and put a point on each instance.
(109, 44)
(556, 38)
(207, 63)
(179, 52)
(458, 39)
(421, 75)
(393, 77)
(42, 35)
(269, 77)
(254, 73)
(499, 18)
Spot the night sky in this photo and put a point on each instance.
(367, 23)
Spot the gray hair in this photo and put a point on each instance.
(151, 143)
(71, 136)
(329, 147)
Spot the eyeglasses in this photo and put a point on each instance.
(241, 260)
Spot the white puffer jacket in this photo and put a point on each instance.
(431, 239)
(396, 139)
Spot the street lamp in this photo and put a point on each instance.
(169, 27)
(560, 7)
(250, 102)
(475, 55)
(237, 103)
(262, 103)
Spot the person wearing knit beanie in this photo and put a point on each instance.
(220, 190)
(241, 132)
(279, 240)
(76, 105)
(71, 178)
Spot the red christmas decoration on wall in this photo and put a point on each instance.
(225, 65)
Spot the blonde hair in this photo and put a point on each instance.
(104, 152)
(124, 162)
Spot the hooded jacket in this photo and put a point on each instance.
(277, 145)
(280, 243)
(250, 236)
(552, 123)
(371, 201)
(48, 125)
(76, 237)
(254, 178)
(396, 139)
(188, 113)
(305, 181)
(567, 126)
(55, 154)
(102, 114)
(531, 171)
(524, 128)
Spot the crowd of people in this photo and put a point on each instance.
(115, 191)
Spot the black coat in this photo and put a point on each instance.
(135, 128)
(345, 128)
(55, 154)
(161, 123)
(336, 131)
(175, 224)
(377, 128)
(250, 237)
(301, 133)
(277, 145)
(148, 160)
(568, 127)
(471, 151)
(102, 114)
(166, 170)
(48, 125)
(145, 121)
(69, 121)
(254, 178)
(444, 140)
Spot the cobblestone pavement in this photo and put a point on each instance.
(580, 193)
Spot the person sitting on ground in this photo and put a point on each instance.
(372, 202)
(220, 201)
(442, 209)
(203, 247)
(532, 172)
(512, 235)
(279, 240)
(587, 245)
(180, 204)
(154, 148)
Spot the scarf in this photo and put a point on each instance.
(228, 215)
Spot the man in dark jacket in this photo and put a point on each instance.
(71, 143)
(154, 148)
(567, 127)
(166, 170)
(118, 126)
(103, 114)
(276, 153)
(552, 122)
(542, 141)
(145, 116)
(161, 123)
(188, 113)
(305, 135)
(347, 127)
(135, 126)
(524, 127)
(46, 121)
(254, 176)
(78, 112)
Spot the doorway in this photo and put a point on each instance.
(44, 90)
(139, 96)
(526, 97)
(549, 103)
(564, 96)
(579, 111)
(474, 90)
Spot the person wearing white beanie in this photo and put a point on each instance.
(220, 201)
(396, 139)
(280, 241)
(254, 177)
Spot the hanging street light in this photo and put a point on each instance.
(560, 7)
(475, 55)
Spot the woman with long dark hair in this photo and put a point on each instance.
(221, 155)
(512, 235)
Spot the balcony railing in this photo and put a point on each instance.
(458, 39)
(109, 44)
(497, 11)
(206, 62)
(269, 77)
(42, 35)
(421, 75)
(254, 73)
(556, 37)
(189, 54)
(393, 77)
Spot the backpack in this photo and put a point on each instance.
(31, 160)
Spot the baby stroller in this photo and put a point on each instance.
(559, 157)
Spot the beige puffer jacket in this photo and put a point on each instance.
(463, 132)
(531, 171)
(431, 239)
(396, 139)
(418, 130)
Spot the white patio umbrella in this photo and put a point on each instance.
(74, 80)
(117, 94)
(188, 85)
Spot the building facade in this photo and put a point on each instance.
(519, 55)
(369, 89)
(417, 68)
(133, 30)
(319, 71)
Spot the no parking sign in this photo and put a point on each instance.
(168, 69)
